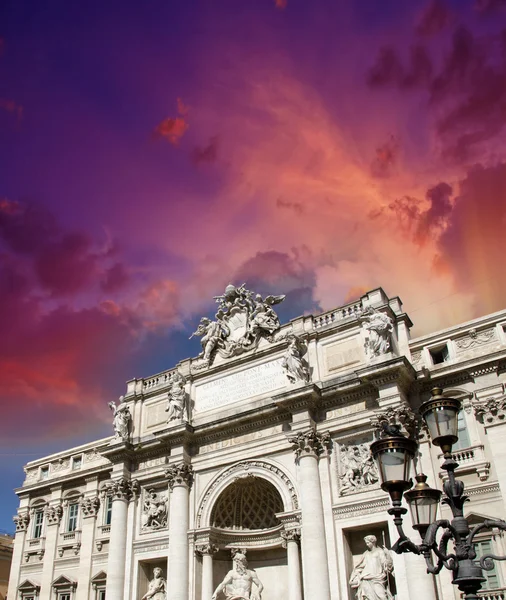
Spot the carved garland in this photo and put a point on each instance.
(245, 466)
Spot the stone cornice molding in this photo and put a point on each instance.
(310, 443)
(90, 506)
(179, 476)
(490, 411)
(21, 521)
(122, 489)
(396, 370)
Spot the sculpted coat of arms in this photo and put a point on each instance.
(242, 320)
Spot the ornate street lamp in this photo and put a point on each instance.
(394, 454)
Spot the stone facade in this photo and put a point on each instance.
(258, 449)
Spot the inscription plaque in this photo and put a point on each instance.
(254, 381)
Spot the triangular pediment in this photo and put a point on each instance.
(29, 585)
(100, 577)
(474, 518)
(63, 581)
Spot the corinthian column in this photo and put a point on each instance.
(307, 447)
(89, 506)
(121, 491)
(207, 551)
(180, 479)
(291, 539)
(21, 520)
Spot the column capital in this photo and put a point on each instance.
(21, 521)
(290, 535)
(90, 506)
(123, 489)
(311, 443)
(179, 476)
(202, 549)
(490, 411)
(53, 514)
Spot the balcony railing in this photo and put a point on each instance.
(497, 594)
(471, 460)
(352, 310)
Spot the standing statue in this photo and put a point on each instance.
(370, 575)
(177, 406)
(263, 317)
(157, 589)
(237, 584)
(154, 511)
(294, 364)
(380, 327)
(212, 333)
(121, 420)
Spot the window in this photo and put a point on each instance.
(44, 472)
(77, 462)
(38, 520)
(100, 594)
(64, 596)
(439, 355)
(464, 440)
(72, 517)
(108, 511)
(485, 547)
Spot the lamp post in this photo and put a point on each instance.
(394, 454)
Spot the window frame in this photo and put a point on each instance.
(38, 512)
(72, 519)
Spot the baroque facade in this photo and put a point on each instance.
(246, 471)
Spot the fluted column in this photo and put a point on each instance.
(180, 479)
(307, 447)
(21, 520)
(291, 538)
(89, 506)
(52, 516)
(207, 551)
(121, 491)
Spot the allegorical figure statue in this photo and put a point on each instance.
(177, 398)
(154, 511)
(263, 317)
(212, 333)
(370, 576)
(157, 589)
(294, 364)
(238, 583)
(380, 327)
(121, 420)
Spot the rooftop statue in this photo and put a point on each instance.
(121, 420)
(380, 328)
(242, 320)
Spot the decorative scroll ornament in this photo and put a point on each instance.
(357, 469)
(242, 320)
(179, 475)
(90, 506)
(490, 411)
(379, 327)
(53, 514)
(400, 420)
(310, 443)
(475, 338)
(123, 489)
(121, 421)
(21, 521)
(154, 511)
(177, 407)
(294, 364)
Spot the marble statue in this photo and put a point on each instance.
(380, 327)
(370, 575)
(154, 511)
(177, 406)
(357, 468)
(242, 320)
(294, 364)
(237, 584)
(121, 420)
(157, 589)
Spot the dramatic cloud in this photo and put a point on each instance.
(389, 70)
(434, 18)
(281, 3)
(206, 154)
(297, 207)
(386, 157)
(173, 129)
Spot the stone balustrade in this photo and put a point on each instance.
(349, 311)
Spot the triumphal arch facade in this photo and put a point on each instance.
(245, 472)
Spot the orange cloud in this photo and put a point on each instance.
(281, 3)
(173, 129)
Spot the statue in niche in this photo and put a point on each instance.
(358, 469)
(380, 327)
(121, 420)
(177, 406)
(154, 511)
(242, 320)
(238, 583)
(157, 589)
(294, 364)
(370, 575)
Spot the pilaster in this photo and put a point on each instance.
(52, 516)
(206, 551)
(22, 522)
(89, 507)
